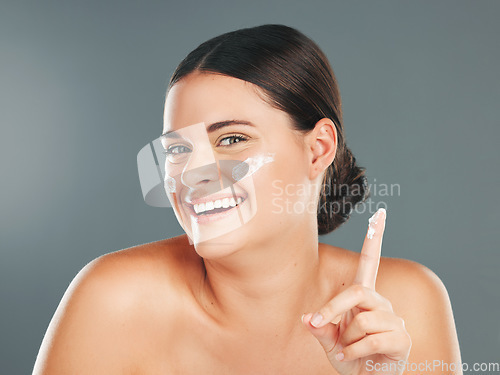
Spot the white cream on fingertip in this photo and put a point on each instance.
(373, 220)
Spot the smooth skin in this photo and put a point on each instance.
(169, 307)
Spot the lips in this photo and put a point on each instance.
(214, 209)
(217, 205)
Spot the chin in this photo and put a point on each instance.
(254, 234)
(223, 245)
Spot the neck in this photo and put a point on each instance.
(271, 283)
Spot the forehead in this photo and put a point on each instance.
(201, 97)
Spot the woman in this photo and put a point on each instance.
(254, 115)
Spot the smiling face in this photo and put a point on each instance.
(224, 142)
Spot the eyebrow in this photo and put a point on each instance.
(211, 128)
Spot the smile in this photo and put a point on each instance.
(207, 210)
(215, 206)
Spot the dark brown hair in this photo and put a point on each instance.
(296, 77)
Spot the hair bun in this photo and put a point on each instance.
(344, 187)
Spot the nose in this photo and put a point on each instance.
(201, 168)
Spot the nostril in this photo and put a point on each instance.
(204, 174)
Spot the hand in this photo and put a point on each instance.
(358, 328)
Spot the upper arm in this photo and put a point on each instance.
(89, 329)
(421, 299)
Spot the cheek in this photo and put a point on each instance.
(281, 180)
(292, 171)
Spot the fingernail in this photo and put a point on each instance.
(339, 356)
(316, 319)
(337, 319)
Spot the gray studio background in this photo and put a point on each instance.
(82, 87)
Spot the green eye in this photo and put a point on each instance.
(235, 139)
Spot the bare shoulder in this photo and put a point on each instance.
(123, 294)
(420, 297)
(406, 280)
(141, 272)
(172, 259)
(400, 280)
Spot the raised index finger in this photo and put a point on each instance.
(369, 258)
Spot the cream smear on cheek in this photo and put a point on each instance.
(254, 163)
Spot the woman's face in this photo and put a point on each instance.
(251, 154)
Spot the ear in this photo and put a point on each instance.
(322, 143)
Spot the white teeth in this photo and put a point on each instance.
(224, 203)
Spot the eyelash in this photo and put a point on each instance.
(240, 138)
